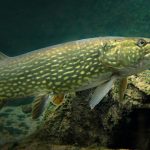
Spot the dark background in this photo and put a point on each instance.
(26, 25)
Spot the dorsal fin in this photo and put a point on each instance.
(3, 56)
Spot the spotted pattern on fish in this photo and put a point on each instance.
(69, 66)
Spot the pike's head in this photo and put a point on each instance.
(126, 56)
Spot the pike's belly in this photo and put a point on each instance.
(94, 82)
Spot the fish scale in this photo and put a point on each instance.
(43, 68)
(73, 66)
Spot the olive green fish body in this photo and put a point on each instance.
(57, 69)
(72, 66)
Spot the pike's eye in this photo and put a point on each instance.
(141, 43)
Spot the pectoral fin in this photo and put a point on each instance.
(38, 105)
(101, 91)
(122, 88)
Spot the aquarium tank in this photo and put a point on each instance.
(35, 114)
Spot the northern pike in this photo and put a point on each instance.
(72, 66)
